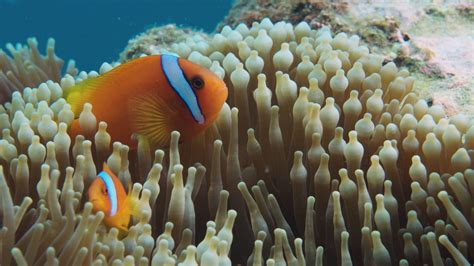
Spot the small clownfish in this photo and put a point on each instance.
(107, 194)
(151, 96)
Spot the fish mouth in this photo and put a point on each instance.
(93, 201)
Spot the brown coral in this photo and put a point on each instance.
(159, 39)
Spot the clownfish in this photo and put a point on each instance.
(151, 96)
(107, 194)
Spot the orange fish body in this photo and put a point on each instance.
(152, 96)
(107, 194)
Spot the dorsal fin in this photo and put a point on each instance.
(82, 92)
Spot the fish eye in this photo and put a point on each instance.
(197, 82)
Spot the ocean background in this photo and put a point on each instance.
(92, 32)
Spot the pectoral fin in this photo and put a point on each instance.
(150, 116)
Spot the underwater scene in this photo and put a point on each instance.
(236, 132)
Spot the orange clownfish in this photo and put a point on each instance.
(108, 195)
(151, 96)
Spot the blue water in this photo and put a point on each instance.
(94, 31)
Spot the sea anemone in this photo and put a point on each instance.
(324, 154)
(28, 68)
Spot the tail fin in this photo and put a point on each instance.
(79, 94)
(132, 202)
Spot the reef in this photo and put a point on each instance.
(323, 155)
(429, 38)
(158, 39)
(376, 29)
